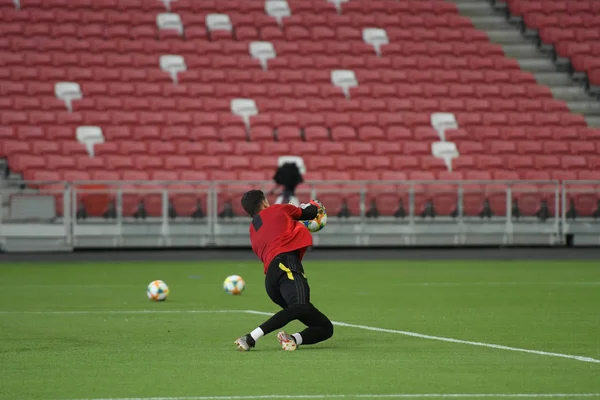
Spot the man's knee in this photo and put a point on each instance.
(323, 322)
(309, 315)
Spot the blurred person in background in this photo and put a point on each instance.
(289, 176)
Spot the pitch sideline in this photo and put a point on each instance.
(371, 396)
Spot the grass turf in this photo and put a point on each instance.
(548, 306)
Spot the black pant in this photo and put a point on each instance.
(288, 287)
(285, 281)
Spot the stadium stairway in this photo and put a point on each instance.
(493, 18)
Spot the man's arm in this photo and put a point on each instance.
(309, 212)
(305, 213)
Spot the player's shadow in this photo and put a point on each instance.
(346, 343)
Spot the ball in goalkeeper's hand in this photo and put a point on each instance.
(315, 225)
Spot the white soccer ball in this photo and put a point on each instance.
(157, 291)
(234, 284)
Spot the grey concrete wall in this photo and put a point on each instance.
(316, 254)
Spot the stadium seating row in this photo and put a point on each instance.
(225, 164)
(510, 99)
(362, 147)
(262, 175)
(403, 29)
(580, 21)
(452, 93)
(342, 121)
(114, 23)
(416, 58)
(264, 136)
(434, 42)
(557, 7)
(367, 110)
(298, 98)
(251, 7)
(491, 69)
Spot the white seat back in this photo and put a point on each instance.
(89, 136)
(218, 22)
(173, 64)
(67, 92)
(375, 37)
(345, 79)
(263, 51)
(443, 121)
(338, 4)
(299, 161)
(17, 4)
(245, 108)
(446, 151)
(169, 21)
(278, 9)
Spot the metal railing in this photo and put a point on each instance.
(580, 211)
(111, 208)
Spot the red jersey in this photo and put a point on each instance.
(276, 230)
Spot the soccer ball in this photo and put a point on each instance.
(157, 291)
(234, 284)
(315, 225)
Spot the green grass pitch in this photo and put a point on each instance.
(113, 350)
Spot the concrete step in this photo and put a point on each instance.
(507, 36)
(570, 93)
(593, 122)
(589, 108)
(494, 22)
(553, 79)
(521, 50)
(471, 8)
(537, 64)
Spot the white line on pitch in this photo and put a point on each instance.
(67, 286)
(364, 327)
(451, 340)
(499, 283)
(496, 283)
(368, 396)
(67, 312)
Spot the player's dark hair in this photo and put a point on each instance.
(252, 201)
